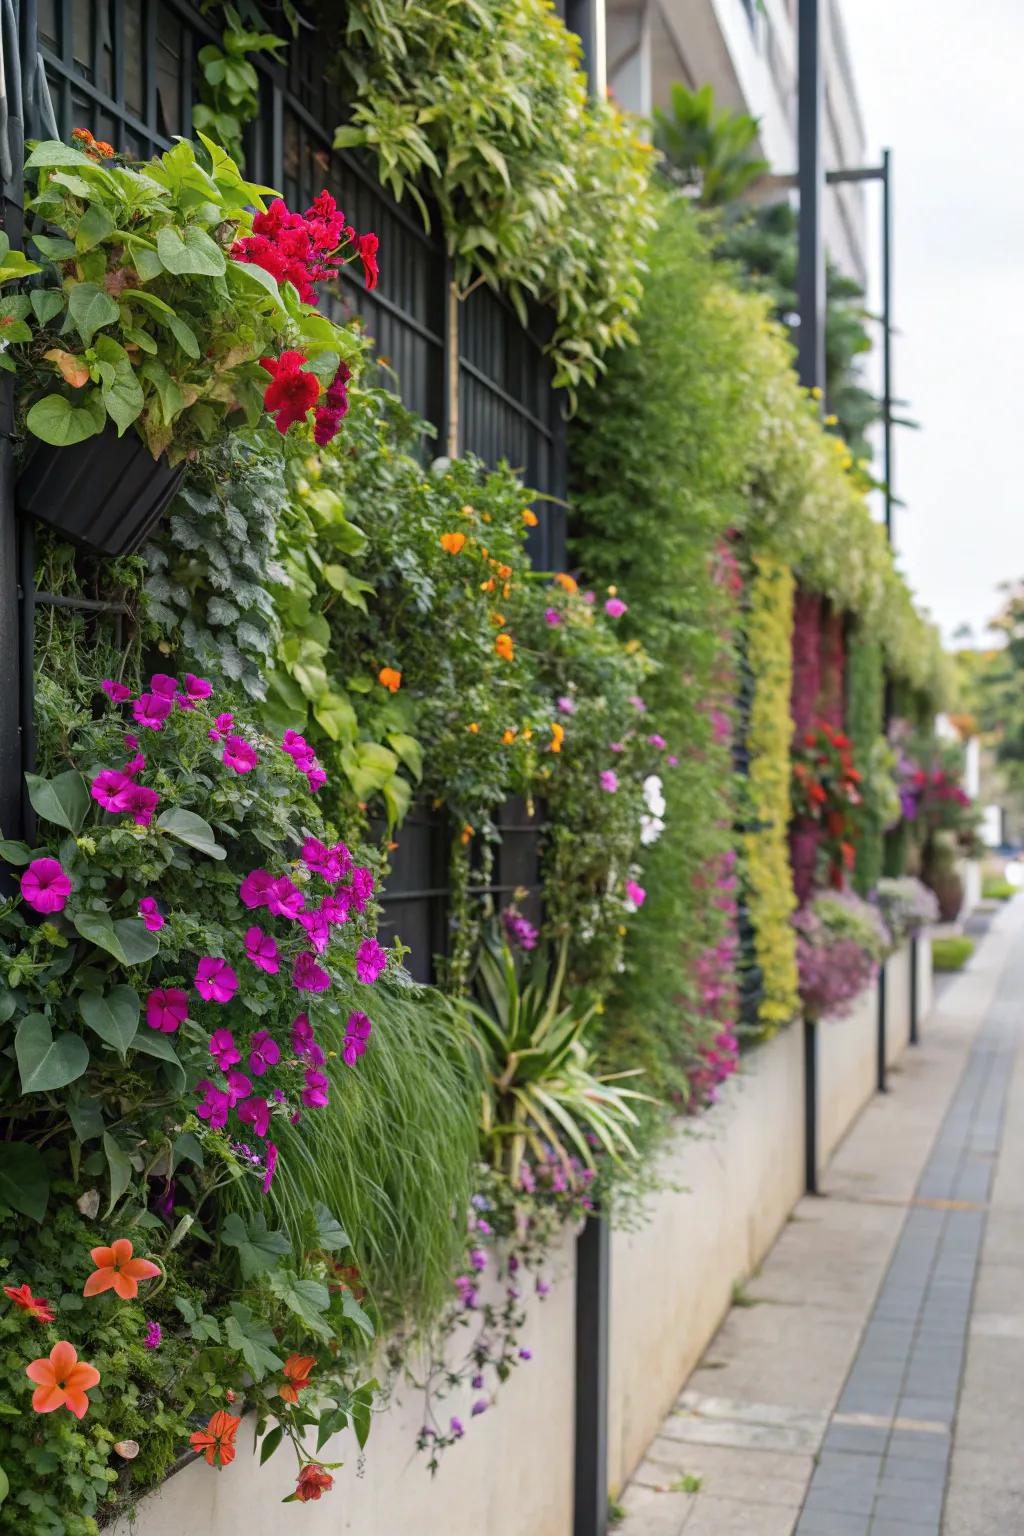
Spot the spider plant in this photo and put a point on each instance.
(543, 1096)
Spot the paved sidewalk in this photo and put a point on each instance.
(830, 1403)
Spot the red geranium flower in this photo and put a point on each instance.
(368, 245)
(291, 394)
(313, 1481)
(35, 1306)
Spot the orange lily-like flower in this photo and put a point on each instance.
(530, 519)
(453, 543)
(504, 572)
(116, 1270)
(35, 1306)
(390, 678)
(567, 583)
(297, 1369)
(504, 648)
(557, 736)
(62, 1381)
(217, 1441)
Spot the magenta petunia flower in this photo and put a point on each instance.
(151, 914)
(307, 976)
(196, 688)
(315, 1095)
(154, 1334)
(269, 1166)
(224, 1050)
(255, 887)
(302, 1034)
(151, 710)
(134, 766)
(214, 1106)
(316, 779)
(238, 1087)
(255, 1112)
(166, 1009)
(371, 960)
(141, 802)
(284, 899)
(336, 908)
(609, 780)
(239, 754)
(220, 727)
(332, 863)
(262, 950)
(672, 760)
(215, 980)
(163, 686)
(357, 1033)
(552, 617)
(110, 788)
(264, 1053)
(361, 886)
(45, 886)
(635, 893)
(615, 608)
(316, 925)
(131, 743)
(117, 693)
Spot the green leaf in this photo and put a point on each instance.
(409, 750)
(147, 264)
(87, 1118)
(183, 334)
(55, 420)
(308, 1299)
(361, 1409)
(47, 303)
(45, 1063)
(187, 1146)
(368, 766)
(51, 153)
(397, 795)
(258, 275)
(123, 398)
(90, 307)
(259, 1250)
(151, 1043)
(334, 712)
(96, 225)
(330, 1233)
(128, 939)
(120, 1169)
(355, 1314)
(5, 1486)
(196, 253)
(24, 1181)
(64, 800)
(192, 830)
(15, 853)
(113, 1015)
(55, 247)
(270, 1443)
(255, 1343)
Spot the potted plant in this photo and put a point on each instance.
(168, 302)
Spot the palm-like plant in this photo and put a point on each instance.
(542, 1095)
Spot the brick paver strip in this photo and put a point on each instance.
(885, 1456)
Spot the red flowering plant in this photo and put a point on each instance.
(170, 290)
(826, 791)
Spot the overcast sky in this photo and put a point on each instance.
(941, 84)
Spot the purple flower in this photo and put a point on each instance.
(154, 1334)
(307, 976)
(255, 1112)
(566, 706)
(110, 788)
(357, 1033)
(518, 929)
(479, 1407)
(261, 949)
(166, 1009)
(361, 886)
(264, 1052)
(616, 746)
(337, 906)
(133, 768)
(215, 980)
(223, 1049)
(284, 899)
(672, 760)
(637, 703)
(654, 740)
(117, 693)
(196, 688)
(635, 894)
(221, 726)
(615, 608)
(477, 1382)
(315, 1094)
(477, 1259)
(141, 802)
(239, 754)
(315, 924)
(239, 1087)
(467, 1291)
(526, 1354)
(163, 686)
(371, 960)
(455, 1426)
(609, 780)
(552, 617)
(542, 1287)
(150, 710)
(254, 888)
(271, 1164)
(331, 863)
(214, 1106)
(151, 914)
(302, 1035)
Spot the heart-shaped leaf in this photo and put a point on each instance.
(151, 1044)
(90, 307)
(113, 1015)
(64, 800)
(55, 420)
(192, 830)
(195, 253)
(45, 1062)
(128, 939)
(24, 1181)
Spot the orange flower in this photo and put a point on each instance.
(217, 1440)
(567, 583)
(452, 543)
(313, 1481)
(488, 585)
(530, 519)
(117, 1270)
(465, 834)
(390, 678)
(503, 647)
(506, 589)
(35, 1306)
(508, 736)
(504, 571)
(472, 728)
(297, 1369)
(498, 618)
(557, 736)
(62, 1381)
(527, 735)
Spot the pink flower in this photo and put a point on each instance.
(239, 755)
(367, 246)
(307, 976)
(315, 923)
(151, 914)
(215, 980)
(637, 703)
(332, 863)
(196, 688)
(141, 802)
(220, 727)
(615, 608)
(45, 886)
(151, 710)
(269, 1166)
(224, 1050)
(131, 743)
(336, 908)
(117, 693)
(134, 766)
(110, 788)
(213, 1106)
(238, 1088)
(609, 780)
(316, 779)
(302, 1034)
(357, 1033)
(255, 1112)
(262, 950)
(654, 740)
(297, 747)
(371, 960)
(361, 887)
(616, 746)
(254, 888)
(264, 1052)
(315, 1093)
(566, 706)
(635, 894)
(672, 760)
(552, 617)
(283, 898)
(163, 685)
(166, 1008)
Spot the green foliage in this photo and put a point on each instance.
(712, 152)
(952, 954)
(865, 688)
(229, 93)
(995, 888)
(542, 192)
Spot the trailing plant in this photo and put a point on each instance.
(840, 940)
(906, 906)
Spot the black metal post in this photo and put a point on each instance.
(883, 1086)
(887, 336)
(593, 1271)
(811, 253)
(811, 1106)
(586, 18)
(12, 220)
(913, 989)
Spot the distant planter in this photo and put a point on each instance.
(105, 493)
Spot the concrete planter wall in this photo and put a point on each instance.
(847, 1070)
(925, 975)
(897, 1003)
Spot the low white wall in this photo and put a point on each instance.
(511, 1475)
(847, 1070)
(925, 976)
(735, 1177)
(897, 1003)
(969, 871)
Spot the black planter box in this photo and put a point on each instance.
(106, 493)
